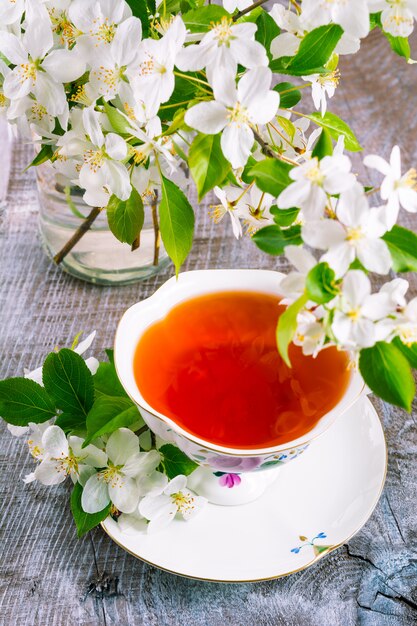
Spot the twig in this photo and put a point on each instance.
(81, 230)
(156, 229)
(239, 14)
(267, 150)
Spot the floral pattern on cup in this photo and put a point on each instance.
(317, 549)
(228, 479)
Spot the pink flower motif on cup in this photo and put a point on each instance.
(230, 480)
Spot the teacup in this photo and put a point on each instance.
(226, 475)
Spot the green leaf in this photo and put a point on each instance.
(108, 414)
(321, 286)
(267, 30)
(207, 164)
(337, 127)
(289, 95)
(45, 154)
(71, 423)
(126, 217)
(175, 462)
(284, 217)
(271, 175)
(408, 350)
(314, 52)
(69, 382)
(140, 10)
(199, 20)
(387, 372)
(246, 176)
(400, 45)
(23, 401)
(176, 221)
(273, 239)
(287, 325)
(288, 126)
(324, 145)
(402, 244)
(85, 521)
(106, 381)
(117, 120)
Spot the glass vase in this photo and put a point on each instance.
(98, 257)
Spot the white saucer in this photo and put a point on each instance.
(317, 503)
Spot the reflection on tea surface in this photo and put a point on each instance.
(212, 366)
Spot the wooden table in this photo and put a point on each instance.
(48, 576)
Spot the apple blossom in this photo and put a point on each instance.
(356, 310)
(313, 181)
(221, 49)
(400, 190)
(235, 111)
(62, 457)
(228, 197)
(117, 481)
(356, 233)
(397, 17)
(161, 509)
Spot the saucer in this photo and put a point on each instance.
(316, 504)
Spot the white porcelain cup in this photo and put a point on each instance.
(226, 475)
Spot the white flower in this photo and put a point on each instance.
(402, 322)
(117, 482)
(356, 310)
(323, 86)
(96, 22)
(101, 173)
(355, 234)
(397, 189)
(62, 457)
(314, 180)
(396, 289)
(235, 111)
(39, 70)
(232, 5)
(161, 509)
(110, 64)
(253, 209)
(352, 15)
(287, 44)
(292, 285)
(152, 79)
(228, 197)
(221, 50)
(397, 16)
(310, 333)
(11, 11)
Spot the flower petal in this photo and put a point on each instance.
(122, 444)
(207, 117)
(95, 495)
(124, 494)
(176, 484)
(236, 143)
(55, 442)
(50, 472)
(64, 66)
(374, 255)
(323, 234)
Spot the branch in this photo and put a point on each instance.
(156, 229)
(239, 14)
(267, 150)
(81, 230)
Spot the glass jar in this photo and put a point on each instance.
(98, 257)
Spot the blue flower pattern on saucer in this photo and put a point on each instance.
(318, 549)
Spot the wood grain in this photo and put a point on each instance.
(48, 576)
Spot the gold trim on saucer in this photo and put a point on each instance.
(277, 576)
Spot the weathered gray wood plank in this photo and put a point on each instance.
(50, 578)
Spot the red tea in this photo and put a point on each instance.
(212, 366)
